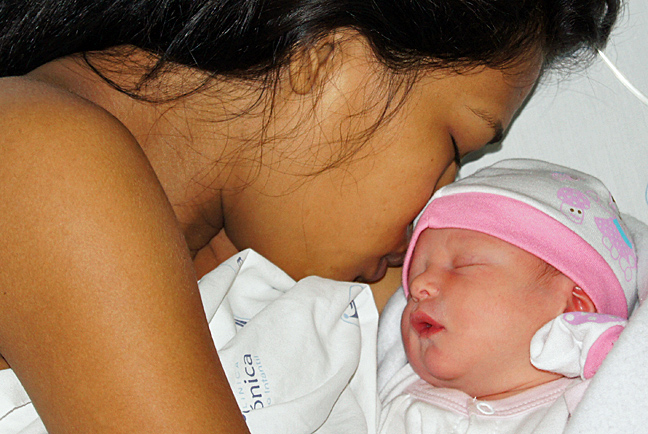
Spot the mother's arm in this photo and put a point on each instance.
(100, 315)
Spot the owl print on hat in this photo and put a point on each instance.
(575, 205)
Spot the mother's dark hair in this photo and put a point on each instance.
(251, 38)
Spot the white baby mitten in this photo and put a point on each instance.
(575, 343)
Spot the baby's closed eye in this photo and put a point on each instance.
(462, 262)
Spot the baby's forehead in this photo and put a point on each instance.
(450, 238)
(466, 242)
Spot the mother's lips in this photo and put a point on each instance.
(424, 325)
(379, 272)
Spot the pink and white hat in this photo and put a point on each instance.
(564, 217)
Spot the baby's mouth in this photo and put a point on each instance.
(424, 325)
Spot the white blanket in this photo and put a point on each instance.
(300, 356)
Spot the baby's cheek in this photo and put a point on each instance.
(406, 336)
(413, 355)
(406, 333)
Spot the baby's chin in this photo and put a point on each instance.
(496, 393)
(474, 385)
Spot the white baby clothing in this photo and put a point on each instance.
(412, 406)
(575, 343)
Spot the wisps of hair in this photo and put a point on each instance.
(250, 38)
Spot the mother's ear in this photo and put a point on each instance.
(309, 64)
(580, 301)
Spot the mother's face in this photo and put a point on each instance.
(351, 221)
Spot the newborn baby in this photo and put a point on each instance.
(519, 279)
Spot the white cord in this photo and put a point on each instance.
(622, 78)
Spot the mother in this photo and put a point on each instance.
(134, 132)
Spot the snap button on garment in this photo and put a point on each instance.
(485, 408)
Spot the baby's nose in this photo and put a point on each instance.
(423, 286)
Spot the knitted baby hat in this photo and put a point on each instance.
(564, 217)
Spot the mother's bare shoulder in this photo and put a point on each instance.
(62, 156)
(59, 146)
(31, 110)
(99, 308)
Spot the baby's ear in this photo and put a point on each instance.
(580, 301)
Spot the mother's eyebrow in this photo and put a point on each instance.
(493, 123)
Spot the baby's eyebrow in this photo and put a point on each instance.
(493, 123)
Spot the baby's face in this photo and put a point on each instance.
(475, 303)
